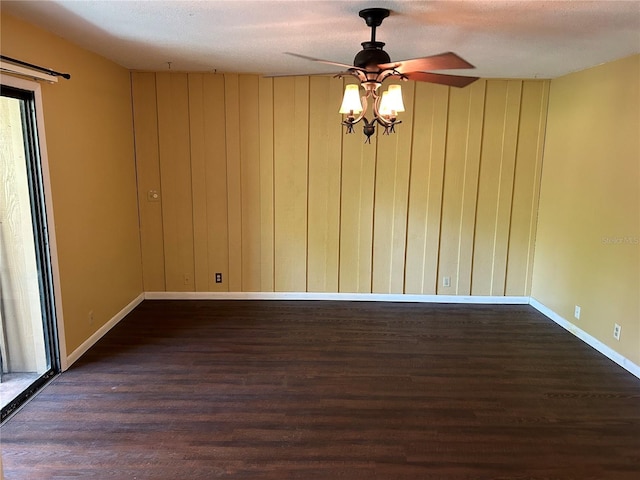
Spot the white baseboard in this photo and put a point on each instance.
(360, 297)
(89, 342)
(588, 339)
(353, 297)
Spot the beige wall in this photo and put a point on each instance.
(258, 182)
(588, 243)
(88, 124)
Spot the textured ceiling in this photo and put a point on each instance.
(506, 39)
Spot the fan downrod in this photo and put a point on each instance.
(373, 17)
(372, 53)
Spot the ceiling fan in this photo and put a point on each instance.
(372, 66)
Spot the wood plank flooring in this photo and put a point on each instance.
(331, 390)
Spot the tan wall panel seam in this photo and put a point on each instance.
(513, 189)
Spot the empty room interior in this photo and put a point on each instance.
(206, 274)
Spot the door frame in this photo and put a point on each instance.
(35, 87)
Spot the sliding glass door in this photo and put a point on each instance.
(28, 344)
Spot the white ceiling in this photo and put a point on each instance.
(505, 39)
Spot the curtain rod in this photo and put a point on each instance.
(35, 67)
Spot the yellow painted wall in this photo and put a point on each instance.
(89, 132)
(588, 244)
(257, 181)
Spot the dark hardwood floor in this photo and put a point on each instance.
(331, 390)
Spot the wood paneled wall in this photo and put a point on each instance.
(258, 182)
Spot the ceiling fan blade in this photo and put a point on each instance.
(332, 74)
(328, 62)
(442, 61)
(442, 79)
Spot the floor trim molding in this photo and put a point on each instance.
(586, 338)
(353, 297)
(89, 342)
(360, 297)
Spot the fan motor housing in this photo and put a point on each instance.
(371, 55)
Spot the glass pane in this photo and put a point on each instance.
(22, 338)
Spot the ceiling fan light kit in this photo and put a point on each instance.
(372, 66)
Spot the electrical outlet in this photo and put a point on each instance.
(617, 329)
(576, 312)
(218, 278)
(187, 279)
(90, 317)
(446, 281)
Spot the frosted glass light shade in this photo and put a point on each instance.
(383, 109)
(351, 100)
(391, 101)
